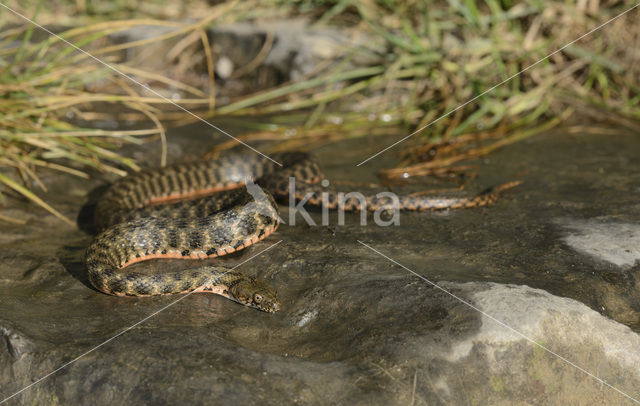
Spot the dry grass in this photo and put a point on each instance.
(435, 58)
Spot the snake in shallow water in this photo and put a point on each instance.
(142, 217)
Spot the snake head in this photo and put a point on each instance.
(255, 293)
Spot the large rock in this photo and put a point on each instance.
(354, 328)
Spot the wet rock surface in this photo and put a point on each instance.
(554, 260)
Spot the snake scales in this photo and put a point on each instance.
(141, 218)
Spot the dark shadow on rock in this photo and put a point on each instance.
(71, 256)
(85, 219)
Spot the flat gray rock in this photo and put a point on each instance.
(354, 328)
(611, 241)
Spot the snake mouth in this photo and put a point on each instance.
(268, 307)
(265, 300)
(271, 308)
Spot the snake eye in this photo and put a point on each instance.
(257, 298)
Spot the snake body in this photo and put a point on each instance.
(141, 218)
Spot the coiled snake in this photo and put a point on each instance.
(140, 219)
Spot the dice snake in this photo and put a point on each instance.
(145, 216)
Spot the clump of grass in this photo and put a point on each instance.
(46, 84)
(424, 62)
(438, 57)
(428, 61)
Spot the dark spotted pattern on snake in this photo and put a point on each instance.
(141, 217)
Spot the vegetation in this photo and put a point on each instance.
(424, 61)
